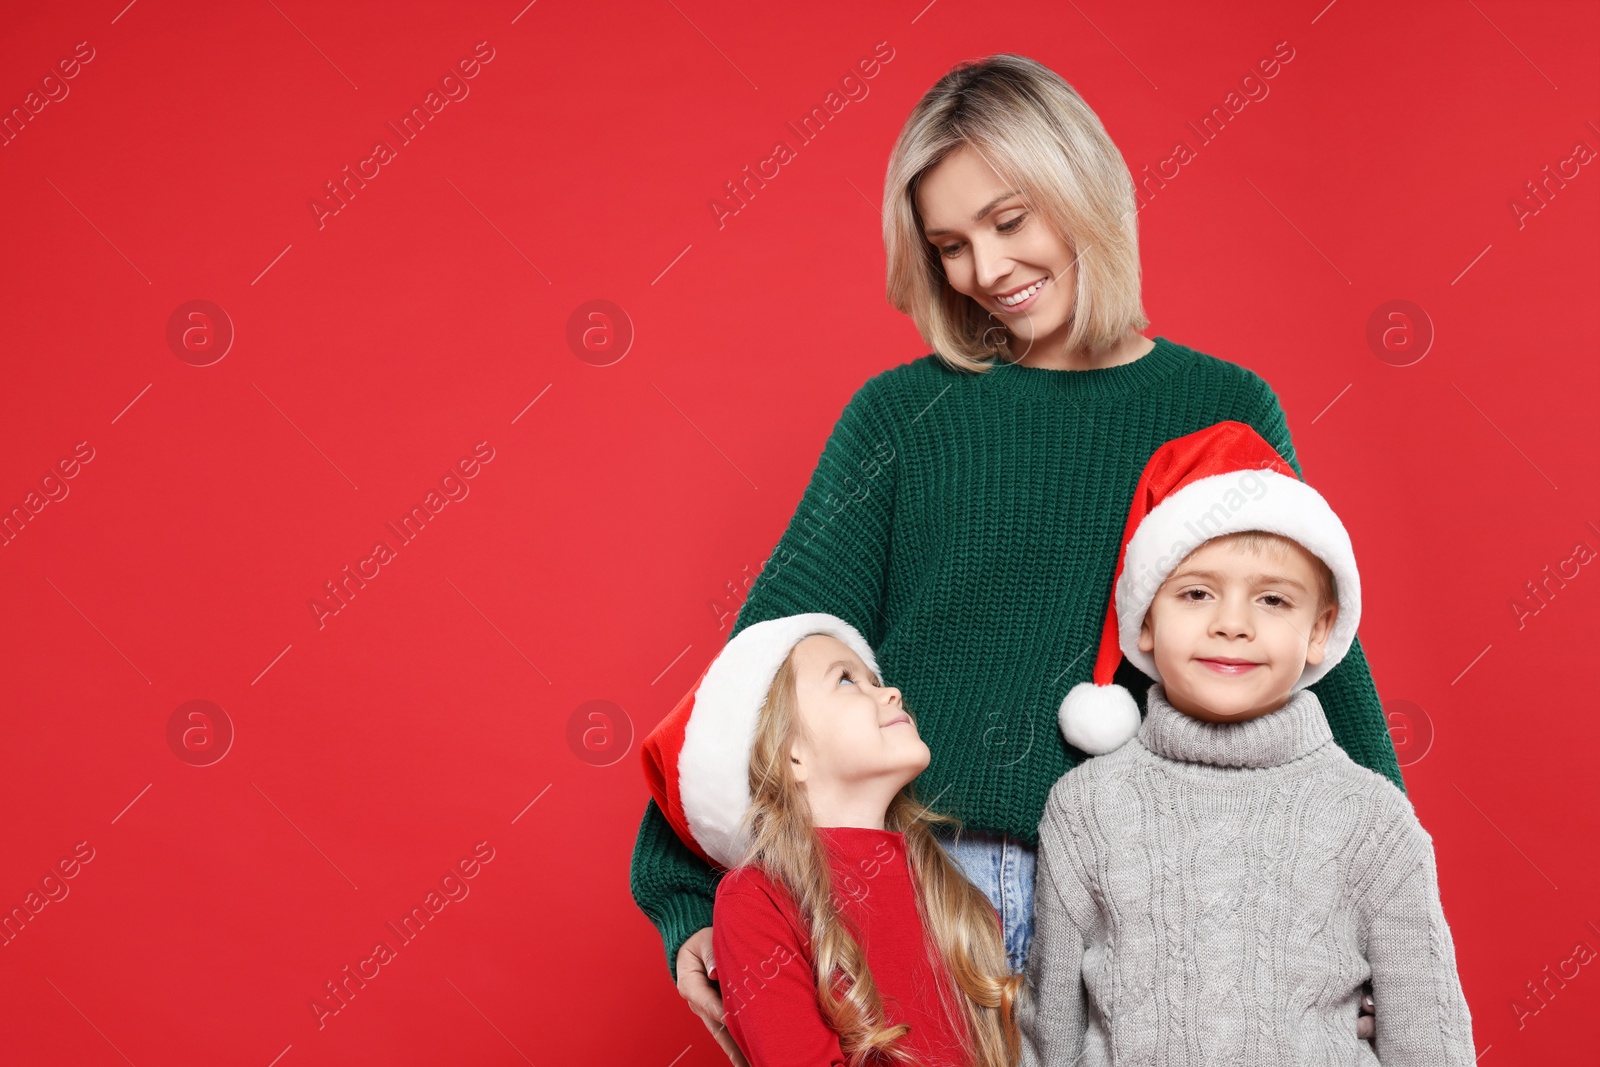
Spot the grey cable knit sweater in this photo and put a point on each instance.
(1218, 893)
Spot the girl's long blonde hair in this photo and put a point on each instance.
(962, 930)
(1043, 140)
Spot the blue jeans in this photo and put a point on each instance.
(1003, 868)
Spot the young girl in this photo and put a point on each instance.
(843, 933)
(967, 510)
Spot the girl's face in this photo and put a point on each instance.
(863, 747)
(995, 249)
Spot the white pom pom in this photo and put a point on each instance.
(1099, 718)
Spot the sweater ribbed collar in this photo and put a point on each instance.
(1098, 382)
(1297, 729)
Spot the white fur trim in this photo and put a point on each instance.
(1098, 718)
(1232, 503)
(714, 765)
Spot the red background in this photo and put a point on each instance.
(436, 709)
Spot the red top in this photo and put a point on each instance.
(765, 967)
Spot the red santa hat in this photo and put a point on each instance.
(697, 759)
(1223, 479)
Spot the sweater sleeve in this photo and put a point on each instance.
(833, 557)
(769, 993)
(1053, 1016)
(834, 554)
(672, 886)
(1423, 1018)
(1348, 695)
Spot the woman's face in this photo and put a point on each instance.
(994, 247)
(863, 746)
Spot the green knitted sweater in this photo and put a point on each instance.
(968, 524)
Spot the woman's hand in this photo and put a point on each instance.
(696, 973)
(1366, 1016)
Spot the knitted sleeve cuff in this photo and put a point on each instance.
(679, 918)
(674, 888)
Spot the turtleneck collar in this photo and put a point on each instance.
(1297, 729)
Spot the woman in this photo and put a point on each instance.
(967, 510)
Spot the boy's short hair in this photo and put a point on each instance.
(1258, 540)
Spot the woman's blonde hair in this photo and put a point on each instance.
(963, 936)
(1044, 141)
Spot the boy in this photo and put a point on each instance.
(1218, 890)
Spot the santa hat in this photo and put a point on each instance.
(1221, 480)
(697, 759)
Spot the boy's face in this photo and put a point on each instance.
(862, 745)
(1232, 628)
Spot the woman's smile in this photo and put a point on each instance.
(1021, 299)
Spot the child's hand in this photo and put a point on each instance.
(1367, 1015)
(696, 972)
